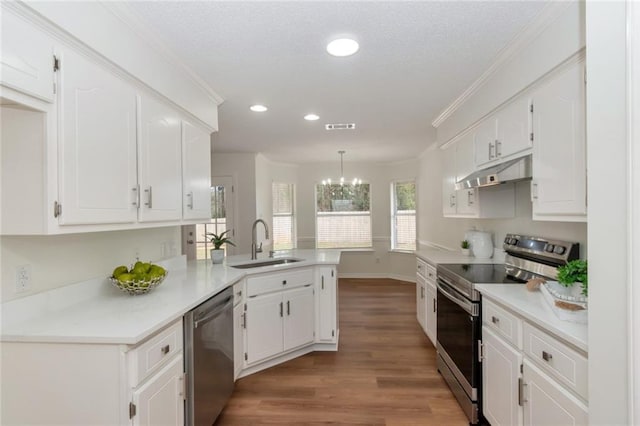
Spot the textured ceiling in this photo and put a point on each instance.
(414, 59)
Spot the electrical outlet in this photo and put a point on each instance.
(377, 260)
(23, 278)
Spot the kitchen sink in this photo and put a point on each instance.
(272, 262)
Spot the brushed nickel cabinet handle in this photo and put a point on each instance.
(547, 356)
(165, 349)
(495, 320)
(149, 202)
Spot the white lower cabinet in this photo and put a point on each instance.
(238, 339)
(159, 400)
(431, 309)
(326, 304)
(529, 377)
(426, 298)
(421, 285)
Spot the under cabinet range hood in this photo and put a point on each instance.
(510, 171)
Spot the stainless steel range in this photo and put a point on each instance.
(459, 317)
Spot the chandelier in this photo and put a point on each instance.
(355, 180)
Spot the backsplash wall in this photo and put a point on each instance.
(448, 232)
(59, 260)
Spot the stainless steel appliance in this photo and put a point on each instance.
(208, 343)
(459, 308)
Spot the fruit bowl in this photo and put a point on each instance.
(136, 287)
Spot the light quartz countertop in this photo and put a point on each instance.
(96, 312)
(532, 306)
(434, 256)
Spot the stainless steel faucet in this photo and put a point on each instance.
(254, 238)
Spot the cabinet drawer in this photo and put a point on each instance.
(280, 281)
(155, 352)
(238, 292)
(421, 267)
(503, 322)
(431, 274)
(557, 358)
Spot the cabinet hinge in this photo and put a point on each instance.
(521, 369)
(480, 351)
(57, 209)
(246, 357)
(233, 189)
(332, 272)
(184, 386)
(531, 136)
(56, 63)
(531, 108)
(333, 333)
(132, 410)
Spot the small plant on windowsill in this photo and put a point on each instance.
(464, 247)
(217, 253)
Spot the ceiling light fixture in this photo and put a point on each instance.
(343, 47)
(311, 117)
(355, 180)
(258, 108)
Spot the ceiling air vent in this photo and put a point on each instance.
(348, 126)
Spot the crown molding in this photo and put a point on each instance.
(547, 15)
(124, 13)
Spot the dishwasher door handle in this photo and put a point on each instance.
(220, 309)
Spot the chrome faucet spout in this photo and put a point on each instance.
(254, 238)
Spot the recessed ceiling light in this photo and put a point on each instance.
(343, 47)
(311, 117)
(258, 108)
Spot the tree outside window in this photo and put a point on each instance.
(403, 215)
(343, 216)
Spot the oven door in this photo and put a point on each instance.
(458, 333)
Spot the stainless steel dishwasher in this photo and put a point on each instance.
(208, 343)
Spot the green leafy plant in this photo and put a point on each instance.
(572, 272)
(218, 240)
(464, 244)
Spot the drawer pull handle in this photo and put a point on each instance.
(546, 356)
(165, 349)
(495, 320)
(284, 282)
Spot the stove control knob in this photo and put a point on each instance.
(549, 248)
(559, 250)
(507, 240)
(514, 241)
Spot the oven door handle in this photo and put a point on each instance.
(456, 298)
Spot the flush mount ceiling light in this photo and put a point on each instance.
(258, 108)
(343, 47)
(341, 181)
(311, 117)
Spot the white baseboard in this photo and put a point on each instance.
(380, 275)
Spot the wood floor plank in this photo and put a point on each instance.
(384, 372)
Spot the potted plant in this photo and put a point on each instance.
(217, 254)
(573, 272)
(465, 247)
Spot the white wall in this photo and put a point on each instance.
(242, 168)
(264, 199)
(60, 260)
(609, 368)
(433, 228)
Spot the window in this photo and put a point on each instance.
(403, 215)
(343, 216)
(217, 225)
(284, 220)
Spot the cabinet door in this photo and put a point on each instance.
(500, 374)
(326, 289)
(513, 128)
(448, 182)
(420, 300)
(238, 339)
(196, 172)
(547, 403)
(160, 400)
(484, 142)
(97, 144)
(466, 202)
(464, 157)
(559, 153)
(299, 322)
(26, 62)
(264, 318)
(159, 160)
(431, 309)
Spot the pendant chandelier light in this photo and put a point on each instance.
(354, 181)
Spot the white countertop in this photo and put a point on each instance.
(96, 312)
(434, 256)
(532, 306)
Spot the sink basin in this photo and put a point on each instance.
(271, 262)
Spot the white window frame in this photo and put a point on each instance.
(315, 203)
(294, 221)
(394, 214)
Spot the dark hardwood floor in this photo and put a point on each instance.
(383, 373)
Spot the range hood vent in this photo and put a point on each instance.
(510, 171)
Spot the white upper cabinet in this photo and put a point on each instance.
(159, 164)
(449, 181)
(558, 189)
(97, 144)
(504, 135)
(196, 172)
(26, 59)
